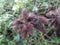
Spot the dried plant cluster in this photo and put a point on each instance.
(54, 16)
(27, 21)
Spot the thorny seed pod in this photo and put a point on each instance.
(26, 24)
(38, 22)
(24, 29)
(54, 15)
